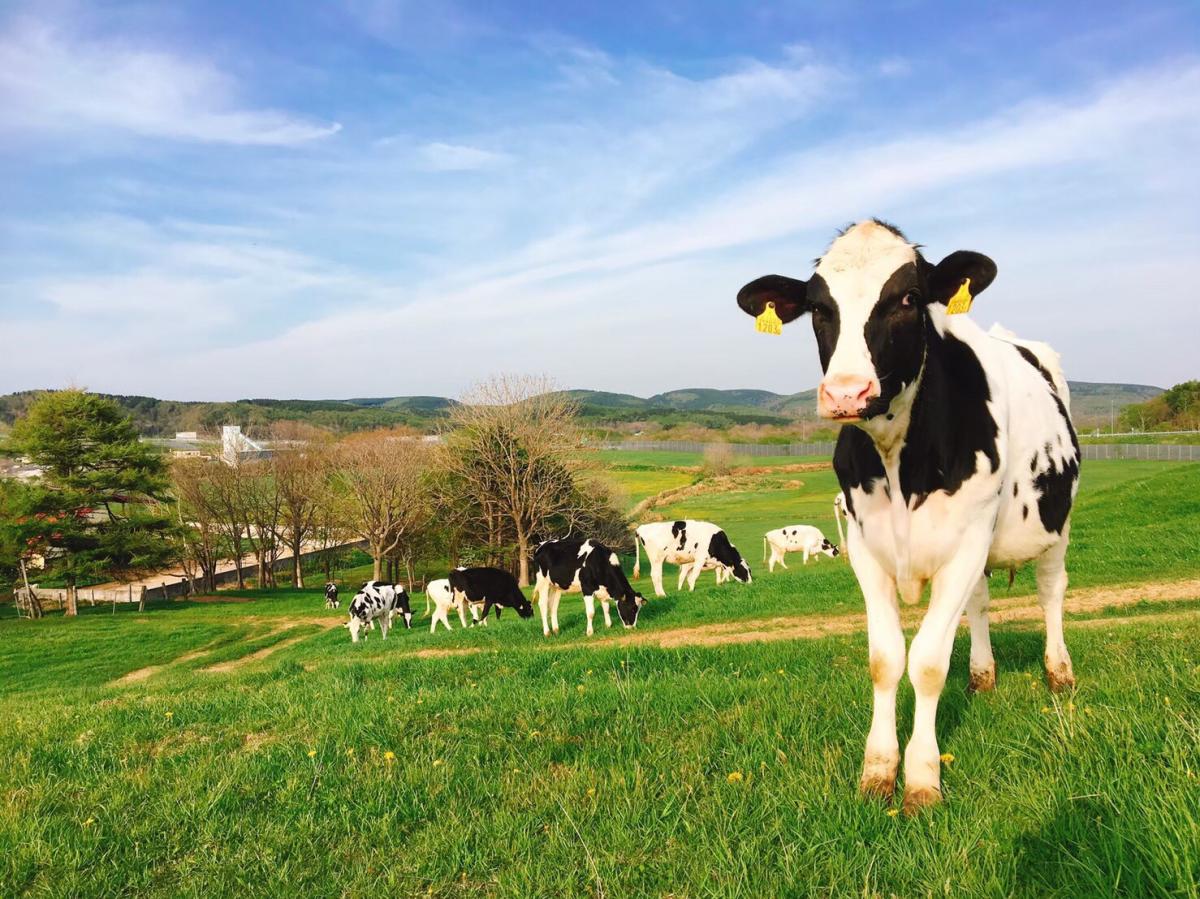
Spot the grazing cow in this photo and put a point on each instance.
(331, 596)
(587, 567)
(377, 601)
(441, 595)
(686, 542)
(960, 458)
(796, 538)
(484, 588)
(401, 605)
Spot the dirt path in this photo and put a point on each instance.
(257, 656)
(812, 627)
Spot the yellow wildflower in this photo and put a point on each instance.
(437, 763)
(312, 753)
(893, 812)
(735, 777)
(947, 758)
(89, 822)
(389, 756)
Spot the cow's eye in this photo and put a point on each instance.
(909, 299)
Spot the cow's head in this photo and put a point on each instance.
(523, 606)
(829, 549)
(628, 608)
(870, 298)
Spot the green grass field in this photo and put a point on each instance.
(594, 768)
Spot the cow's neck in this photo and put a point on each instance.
(889, 433)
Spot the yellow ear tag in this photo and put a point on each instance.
(961, 301)
(767, 321)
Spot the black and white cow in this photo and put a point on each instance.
(331, 596)
(686, 543)
(377, 601)
(796, 538)
(484, 588)
(441, 596)
(588, 567)
(960, 458)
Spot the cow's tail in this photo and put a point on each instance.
(764, 547)
(837, 517)
(637, 554)
(428, 602)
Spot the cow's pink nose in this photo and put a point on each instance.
(845, 396)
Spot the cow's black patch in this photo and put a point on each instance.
(679, 530)
(856, 463)
(951, 422)
(1029, 357)
(826, 320)
(895, 336)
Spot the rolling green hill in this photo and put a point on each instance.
(701, 406)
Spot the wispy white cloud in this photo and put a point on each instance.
(51, 81)
(442, 157)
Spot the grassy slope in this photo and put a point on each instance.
(103, 793)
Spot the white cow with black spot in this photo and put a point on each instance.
(796, 538)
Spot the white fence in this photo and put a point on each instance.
(1155, 452)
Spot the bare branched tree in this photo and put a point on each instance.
(199, 513)
(301, 474)
(386, 481)
(512, 450)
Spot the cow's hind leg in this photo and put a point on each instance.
(656, 572)
(886, 639)
(983, 664)
(684, 569)
(1052, 586)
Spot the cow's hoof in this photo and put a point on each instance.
(545, 633)
(1060, 679)
(915, 800)
(555, 630)
(982, 681)
(877, 787)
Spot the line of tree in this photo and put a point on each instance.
(507, 474)
(1175, 409)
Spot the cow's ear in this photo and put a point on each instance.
(949, 276)
(789, 296)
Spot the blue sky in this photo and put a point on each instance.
(217, 200)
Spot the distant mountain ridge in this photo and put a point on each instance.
(706, 406)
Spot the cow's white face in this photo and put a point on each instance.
(870, 300)
(356, 627)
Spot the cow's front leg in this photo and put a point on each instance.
(1052, 587)
(589, 606)
(656, 572)
(544, 606)
(555, 599)
(983, 664)
(928, 662)
(604, 603)
(886, 641)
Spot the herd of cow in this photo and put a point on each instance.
(578, 565)
(957, 458)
